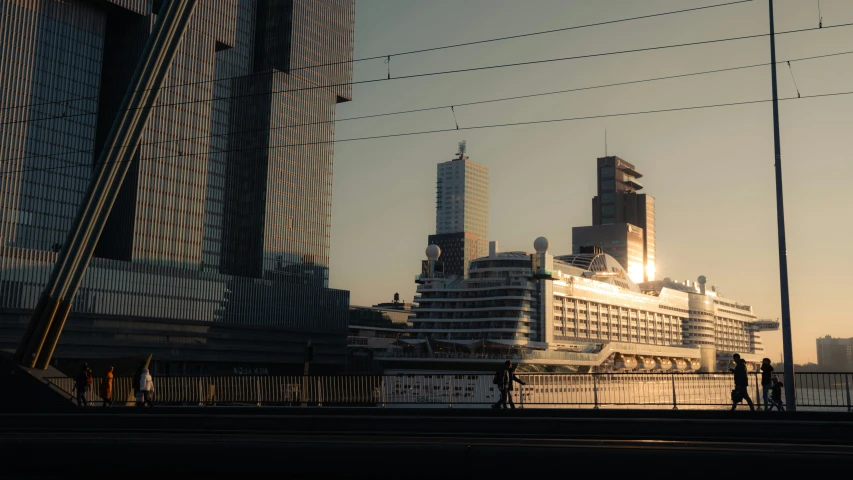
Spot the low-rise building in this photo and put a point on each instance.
(835, 354)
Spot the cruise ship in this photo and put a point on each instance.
(569, 313)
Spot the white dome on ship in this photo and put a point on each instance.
(433, 252)
(541, 245)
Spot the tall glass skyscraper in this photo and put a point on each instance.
(462, 212)
(217, 248)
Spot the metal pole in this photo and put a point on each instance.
(759, 392)
(674, 402)
(790, 399)
(595, 389)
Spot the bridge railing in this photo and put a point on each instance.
(598, 390)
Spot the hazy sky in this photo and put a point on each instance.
(710, 171)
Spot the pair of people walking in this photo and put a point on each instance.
(770, 385)
(83, 384)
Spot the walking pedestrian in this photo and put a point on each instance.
(766, 384)
(503, 379)
(146, 389)
(106, 390)
(776, 394)
(740, 392)
(82, 384)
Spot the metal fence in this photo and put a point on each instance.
(599, 390)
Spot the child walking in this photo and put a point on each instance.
(776, 395)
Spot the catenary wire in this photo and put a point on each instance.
(476, 127)
(461, 104)
(447, 72)
(411, 52)
(531, 34)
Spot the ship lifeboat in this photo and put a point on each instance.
(679, 364)
(645, 363)
(692, 365)
(663, 363)
(624, 362)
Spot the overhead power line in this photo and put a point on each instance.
(387, 56)
(462, 70)
(532, 34)
(441, 107)
(478, 127)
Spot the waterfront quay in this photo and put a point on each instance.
(424, 443)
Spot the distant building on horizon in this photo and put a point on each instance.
(395, 305)
(623, 221)
(835, 353)
(461, 212)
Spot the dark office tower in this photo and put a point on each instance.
(618, 203)
(221, 228)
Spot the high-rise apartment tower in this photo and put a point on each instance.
(461, 212)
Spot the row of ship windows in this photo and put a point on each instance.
(592, 316)
(736, 313)
(634, 338)
(739, 307)
(615, 332)
(668, 325)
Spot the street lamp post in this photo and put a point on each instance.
(788, 364)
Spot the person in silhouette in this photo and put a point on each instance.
(766, 384)
(146, 389)
(83, 383)
(106, 389)
(776, 394)
(741, 383)
(504, 378)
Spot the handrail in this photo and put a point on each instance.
(544, 390)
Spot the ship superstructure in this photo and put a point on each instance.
(577, 312)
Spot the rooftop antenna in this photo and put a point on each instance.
(462, 148)
(605, 142)
(819, 16)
